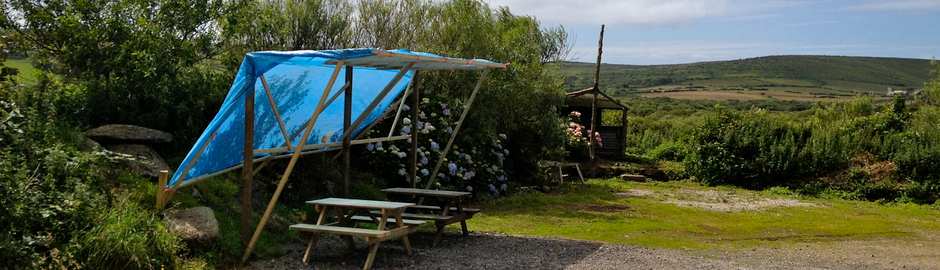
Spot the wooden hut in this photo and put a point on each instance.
(593, 101)
(613, 131)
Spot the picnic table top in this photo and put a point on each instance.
(427, 192)
(357, 203)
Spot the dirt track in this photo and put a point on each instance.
(493, 251)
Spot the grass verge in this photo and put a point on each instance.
(596, 212)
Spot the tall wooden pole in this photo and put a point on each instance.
(414, 133)
(347, 120)
(293, 161)
(248, 153)
(597, 75)
(623, 121)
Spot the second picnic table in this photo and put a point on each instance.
(449, 210)
(345, 210)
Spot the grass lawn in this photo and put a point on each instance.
(28, 74)
(595, 211)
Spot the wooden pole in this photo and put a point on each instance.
(600, 50)
(404, 98)
(277, 114)
(347, 120)
(623, 122)
(453, 136)
(248, 154)
(597, 76)
(293, 161)
(413, 174)
(161, 184)
(378, 99)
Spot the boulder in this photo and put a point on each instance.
(197, 224)
(140, 159)
(89, 145)
(128, 133)
(633, 177)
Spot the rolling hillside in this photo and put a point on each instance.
(782, 77)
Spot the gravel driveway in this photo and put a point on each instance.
(494, 251)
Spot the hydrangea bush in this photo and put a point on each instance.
(475, 163)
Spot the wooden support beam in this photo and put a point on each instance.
(281, 150)
(453, 136)
(401, 105)
(416, 109)
(293, 161)
(248, 155)
(328, 103)
(623, 123)
(597, 78)
(161, 183)
(593, 129)
(378, 99)
(347, 121)
(277, 114)
(192, 162)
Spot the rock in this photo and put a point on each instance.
(89, 145)
(633, 177)
(143, 159)
(197, 224)
(128, 133)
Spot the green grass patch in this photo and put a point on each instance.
(28, 74)
(596, 212)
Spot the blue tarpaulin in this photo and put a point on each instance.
(296, 80)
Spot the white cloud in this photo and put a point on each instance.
(671, 52)
(616, 11)
(898, 5)
(644, 12)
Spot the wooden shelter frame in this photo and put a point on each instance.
(381, 60)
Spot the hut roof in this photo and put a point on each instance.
(584, 98)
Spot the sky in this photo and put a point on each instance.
(646, 32)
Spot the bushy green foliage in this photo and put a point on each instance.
(59, 212)
(859, 149)
(134, 62)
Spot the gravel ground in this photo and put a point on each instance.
(494, 251)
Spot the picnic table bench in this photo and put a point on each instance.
(450, 209)
(561, 167)
(389, 213)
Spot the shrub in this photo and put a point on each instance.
(127, 237)
(670, 151)
(673, 170)
(57, 210)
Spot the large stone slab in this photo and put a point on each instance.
(140, 159)
(116, 133)
(197, 224)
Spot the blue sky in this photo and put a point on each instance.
(682, 31)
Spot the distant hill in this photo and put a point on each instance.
(794, 77)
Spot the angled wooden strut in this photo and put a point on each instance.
(453, 136)
(277, 114)
(293, 161)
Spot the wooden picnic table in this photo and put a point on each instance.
(449, 210)
(345, 210)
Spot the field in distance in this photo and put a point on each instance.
(800, 78)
